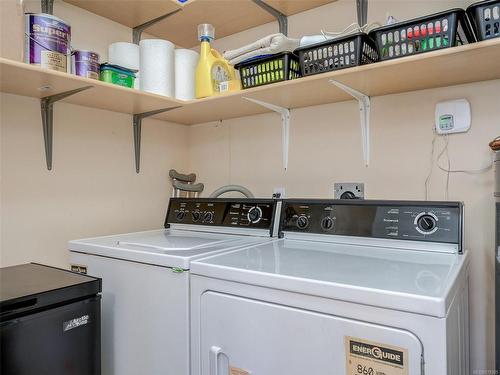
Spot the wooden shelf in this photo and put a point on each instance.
(228, 17)
(466, 64)
(29, 80)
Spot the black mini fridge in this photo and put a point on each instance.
(50, 321)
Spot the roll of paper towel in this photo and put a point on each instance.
(124, 54)
(185, 70)
(157, 66)
(137, 81)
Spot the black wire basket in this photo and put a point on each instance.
(425, 34)
(271, 69)
(339, 53)
(485, 19)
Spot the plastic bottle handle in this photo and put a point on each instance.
(216, 54)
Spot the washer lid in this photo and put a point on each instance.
(164, 247)
(413, 281)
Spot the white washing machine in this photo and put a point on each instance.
(145, 279)
(352, 288)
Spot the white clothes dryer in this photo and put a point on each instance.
(352, 288)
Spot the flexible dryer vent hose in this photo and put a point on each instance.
(229, 188)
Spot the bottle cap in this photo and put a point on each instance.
(206, 31)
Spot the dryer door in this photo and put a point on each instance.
(241, 336)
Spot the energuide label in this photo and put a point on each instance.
(371, 358)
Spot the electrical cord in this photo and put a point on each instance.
(448, 170)
(447, 153)
(431, 168)
(466, 171)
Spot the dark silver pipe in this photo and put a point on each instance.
(229, 188)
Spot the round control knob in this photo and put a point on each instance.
(180, 215)
(302, 222)
(195, 216)
(208, 217)
(426, 223)
(254, 214)
(327, 223)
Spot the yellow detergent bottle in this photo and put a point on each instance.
(214, 75)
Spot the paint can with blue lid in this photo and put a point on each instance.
(47, 41)
(85, 64)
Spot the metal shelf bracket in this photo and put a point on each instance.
(362, 11)
(280, 17)
(137, 127)
(364, 112)
(285, 123)
(137, 30)
(47, 6)
(47, 109)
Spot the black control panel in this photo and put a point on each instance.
(402, 220)
(242, 213)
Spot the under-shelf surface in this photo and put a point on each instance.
(129, 13)
(228, 17)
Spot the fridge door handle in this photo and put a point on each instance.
(19, 305)
(215, 355)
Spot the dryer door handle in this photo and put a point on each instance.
(216, 354)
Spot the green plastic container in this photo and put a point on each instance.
(117, 75)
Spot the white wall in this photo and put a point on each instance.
(325, 147)
(93, 189)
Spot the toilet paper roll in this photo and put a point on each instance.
(157, 66)
(124, 54)
(185, 70)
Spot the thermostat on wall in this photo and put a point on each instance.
(453, 116)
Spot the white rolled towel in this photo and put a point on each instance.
(157, 66)
(124, 54)
(186, 61)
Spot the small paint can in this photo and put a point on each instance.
(85, 64)
(47, 41)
